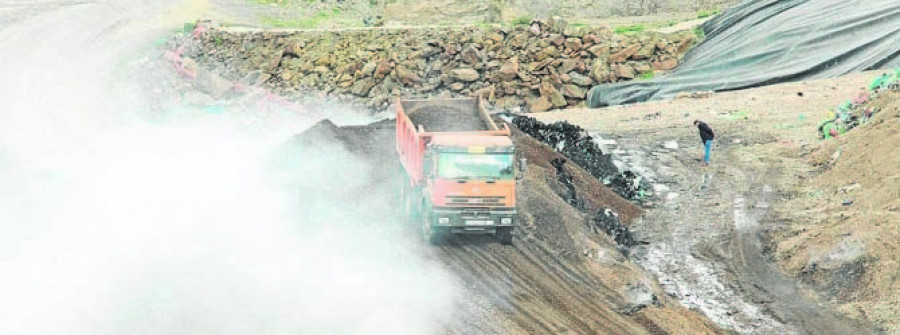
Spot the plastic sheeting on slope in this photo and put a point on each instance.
(763, 42)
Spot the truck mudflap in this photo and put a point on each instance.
(473, 220)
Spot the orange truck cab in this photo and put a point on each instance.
(460, 169)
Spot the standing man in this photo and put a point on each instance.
(706, 136)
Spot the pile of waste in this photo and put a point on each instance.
(608, 221)
(605, 220)
(575, 143)
(857, 111)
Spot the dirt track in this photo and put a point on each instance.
(704, 239)
(559, 277)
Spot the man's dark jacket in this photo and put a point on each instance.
(706, 133)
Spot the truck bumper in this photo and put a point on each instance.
(473, 220)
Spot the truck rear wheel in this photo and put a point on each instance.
(504, 235)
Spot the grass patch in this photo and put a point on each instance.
(306, 22)
(630, 29)
(647, 75)
(699, 33)
(702, 14)
(271, 2)
(483, 24)
(522, 20)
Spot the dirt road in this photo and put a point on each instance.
(705, 245)
(559, 277)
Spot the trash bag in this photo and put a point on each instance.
(608, 221)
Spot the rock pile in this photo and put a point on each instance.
(541, 66)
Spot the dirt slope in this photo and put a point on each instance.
(851, 251)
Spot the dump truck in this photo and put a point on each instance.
(460, 169)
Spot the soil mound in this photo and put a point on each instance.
(843, 233)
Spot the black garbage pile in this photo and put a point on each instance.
(608, 221)
(575, 143)
(565, 178)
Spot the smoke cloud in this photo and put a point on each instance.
(114, 224)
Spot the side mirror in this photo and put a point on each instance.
(427, 165)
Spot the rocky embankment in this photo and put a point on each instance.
(541, 66)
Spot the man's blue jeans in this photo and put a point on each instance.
(708, 146)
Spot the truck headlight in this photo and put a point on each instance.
(506, 221)
(444, 220)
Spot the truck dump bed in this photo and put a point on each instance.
(448, 115)
(419, 120)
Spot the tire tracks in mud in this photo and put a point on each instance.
(785, 298)
(706, 249)
(526, 288)
(538, 292)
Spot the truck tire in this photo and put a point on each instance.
(434, 235)
(504, 235)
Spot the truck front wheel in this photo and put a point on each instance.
(504, 235)
(434, 235)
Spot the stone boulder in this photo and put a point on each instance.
(624, 54)
(579, 79)
(665, 64)
(624, 71)
(467, 75)
(471, 55)
(539, 104)
(509, 69)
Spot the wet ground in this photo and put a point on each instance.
(705, 234)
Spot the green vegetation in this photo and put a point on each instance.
(702, 14)
(630, 29)
(699, 33)
(647, 75)
(483, 24)
(272, 2)
(524, 19)
(306, 22)
(578, 24)
(188, 27)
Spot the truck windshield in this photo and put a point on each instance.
(475, 166)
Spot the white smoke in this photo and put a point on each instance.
(111, 224)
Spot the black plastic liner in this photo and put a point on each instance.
(763, 42)
(575, 143)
